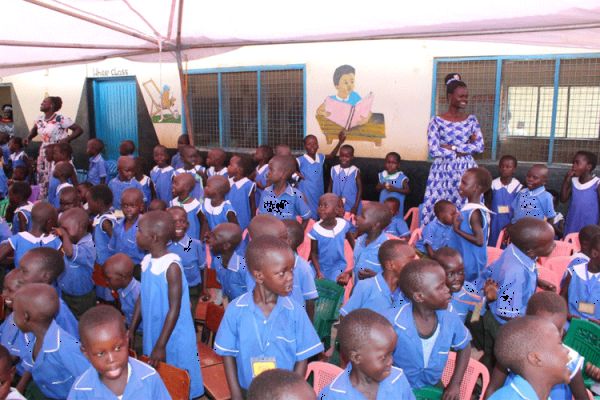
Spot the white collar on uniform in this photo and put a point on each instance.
(238, 184)
(475, 206)
(512, 186)
(387, 175)
(168, 168)
(348, 171)
(214, 210)
(340, 224)
(583, 186)
(262, 169)
(310, 160)
(187, 206)
(34, 239)
(161, 264)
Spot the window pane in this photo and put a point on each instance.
(239, 109)
(203, 95)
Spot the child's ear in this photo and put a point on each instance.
(258, 276)
(355, 357)
(26, 316)
(534, 359)
(595, 253)
(418, 297)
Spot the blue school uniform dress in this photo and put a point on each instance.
(24, 210)
(395, 386)
(123, 241)
(3, 183)
(118, 186)
(181, 347)
(398, 227)
(143, 383)
(24, 241)
(211, 171)
(77, 278)
(367, 256)
(176, 161)
(584, 292)
(502, 200)
(583, 209)
(344, 185)
(410, 354)
(535, 203)
(163, 179)
(193, 258)
(128, 298)
(516, 276)
(58, 364)
(396, 180)
(375, 294)
(280, 340)
(198, 191)
(465, 300)
(97, 170)
(312, 184)
(261, 177)
(288, 205)
(239, 197)
(235, 277)
(331, 247)
(191, 209)
(17, 159)
(146, 190)
(103, 250)
(216, 215)
(474, 257)
(436, 235)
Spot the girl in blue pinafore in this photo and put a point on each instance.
(581, 186)
(452, 139)
(262, 156)
(241, 193)
(504, 190)
(392, 181)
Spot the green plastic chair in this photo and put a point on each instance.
(584, 337)
(428, 393)
(327, 307)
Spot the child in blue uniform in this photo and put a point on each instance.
(392, 181)
(438, 232)
(68, 198)
(182, 187)
(427, 331)
(7, 372)
(382, 293)
(113, 374)
(97, 166)
(228, 259)
(125, 231)
(534, 201)
(17, 158)
(127, 149)
(189, 157)
(582, 188)
(182, 140)
(162, 174)
(471, 226)
(327, 239)
(164, 305)
(262, 156)
(215, 160)
(504, 191)
(346, 181)
(216, 209)
(241, 194)
(18, 195)
(10, 335)
(145, 182)
(397, 227)
(124, 180)
(311, 166)
(368, 341)
(265, 329)
(57, 362)
(586, 235)
(280, 384)
(118, 270)
(61, 152)
(61, 174)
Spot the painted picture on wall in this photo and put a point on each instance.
(348, 110)
(163, 108)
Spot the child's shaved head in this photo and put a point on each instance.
(42, 212)
(99, 316)
(159, 223)
(529, 233)
(287, 163)
(38, 300)
(412, 276)
(263, 250)
(356, 327)
(394, 249)
(63, 169)
(41, 265)
(126, 162)
(549, 302)
(228, 232)
(445, 254)
(267, 224)
(219, 183)
(378, 212)
(280, 384)
(186, 180)
(295, 233)
(118, 270)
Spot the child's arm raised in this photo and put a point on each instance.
(252, 200)
(314, 258)
(476, 223)
(452, 391)
(232, 378)
(359, 192)
(565, 189)
(342, 139)
(67, 245)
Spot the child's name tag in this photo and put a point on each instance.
(476, 315)
(503, 210)
(586, 308)
(262, 364)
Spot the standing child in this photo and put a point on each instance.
(18, 158)
(97, 169)
(124, 180)
(18, 195)
(346, 181)
(61, 175)
(61, 152)
(125, 231)
(504, 190)
(262, 156)
(392, 181)
(215, 160)
(182, 141)
(145, 182)
(182, 188)
(68, 198)
(228, 259)
(242, 192)
(397, 227)
(438, 232)
(189, 157)
(534, 201)
(582, 188)
(216, 209)
(164, 305)
(162, 174)
(127, 148)
(118, 270)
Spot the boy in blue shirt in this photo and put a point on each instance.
(18, 198)
(216, 209)
(264, 329)
(125, 179)
(123, 238)
(61, 173)
(118, 270)
(189, 157)
(97, 169)
(437, 233)
(182, 188)
(368, 341)
(162, 174)
(280, 384)
(397, 227)
(534, 201)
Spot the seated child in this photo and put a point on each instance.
(504, 191)
(276, 318)
(189, 157)
(215, 209)
(97, 173)
(427, 331)
(586, 234)
(158, 205)
(327, 238)
(62, 172)
(437, 233)
(7, 374)
(228, 259)
(538, 365)
(262, 156)
(113, 374)
(68, 198)
(18, 195)
(182, 140)
(382, 293)
(162, 174)
(368, 341)
(164, 305)
(215, 160)
(534, 201)
(397, 227)
(241, 195)
(392, 181)
(280, 384)
(346, 181)
(124, 180)
(127, 148)
(83, 188)
(581, 189)
(10, 336)
(124, 232)
(57, 361)
(182, 187)
(18, 158)
(144, 181)
(75, 283)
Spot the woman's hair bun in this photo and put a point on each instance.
(453, 77)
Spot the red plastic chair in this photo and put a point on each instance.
(548, 275)
(561, 249)
(474, 370)
(557, 264)
(500, 238)
(177, 381)
(493, 253)
(573, 238)
(323, 374)
(415, 236)
(413, 215)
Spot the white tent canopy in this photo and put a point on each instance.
(41, 33)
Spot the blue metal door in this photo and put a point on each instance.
(115, 110)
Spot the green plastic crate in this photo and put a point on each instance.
(428, 393)
(584, 337)
(327, 307)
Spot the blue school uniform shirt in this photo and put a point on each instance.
(436, 235)
(143, 383)
(516, 388)
(398, 227)
(465, 300)
(474, 257)
(58, 364)
(191, 209)
(239, 197)
(396, 180)
(211, 171)
(66, 319)
(5, 152)
(176, 161)
(235, 277)
(24, 241)
(288, 205)
(193, 258)
(101, 238)
(375, 294)
(13, 340)
(146, 190)
(583, 208)
(128, 297)
(56, 198)
(287, 335)
(24, 210)
(535, 203)
(216, 215)
(331, 247)
(97, 170)
(163, 180)
(123, 241)
(502, 201)
(312, 184)
(395, 386)
(344, 185)
(198, 191)
(118, 186)
(261, 177)
(452, 335)
(584, 287)
(77, 278)
(516, 276)
(367, 256)
(17, 159)
(181, 346)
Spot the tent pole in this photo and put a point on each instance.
(72, 45)
(182, 78)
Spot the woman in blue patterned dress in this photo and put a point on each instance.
(452, 139)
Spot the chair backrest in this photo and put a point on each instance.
(177, 381)
(323, 374)
(415, 236)
(474, 370)
(211, 279)
(327, 306)
(501, 236)
(573, 238)
(493, 253)
(584, 337)
(551, 276)
(214, 316)
(557, 264)
(348, 255)
(413, 215)
(562, 249)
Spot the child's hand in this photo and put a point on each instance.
(570, 173)
(366, 273)
(58, 232)
(456, 220)
(353, 211)
(342, 136)
(490, 289)
(451, 392)
(320, 275)
(592, 371)
(387, 186)
(344, 278)
(158, 354)
(545, 285)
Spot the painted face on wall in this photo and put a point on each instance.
(345, 86)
